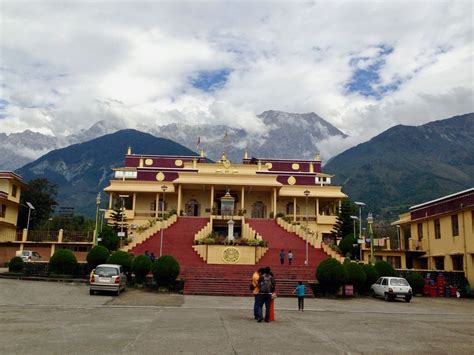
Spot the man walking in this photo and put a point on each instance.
(282, 257)
(256, 289)
(290, 257)
(267, 287)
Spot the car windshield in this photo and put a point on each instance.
(106, 271)
(399, 282)
(25, 253)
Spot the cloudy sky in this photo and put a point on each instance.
(362, 66)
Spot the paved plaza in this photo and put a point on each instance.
(58, 318)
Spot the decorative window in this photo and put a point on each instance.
(437, 229)
(455, 225)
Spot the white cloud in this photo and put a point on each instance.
(66, 67)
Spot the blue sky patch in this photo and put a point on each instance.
(365, 81)
(210, 80)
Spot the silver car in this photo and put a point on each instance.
(392, 287)
(28, 255)
(108, 277)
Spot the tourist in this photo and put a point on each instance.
(282, 257)
(147, 253)
(152, 257)
(290, 257)
(255, 289)
(299, 290)
(266, 288)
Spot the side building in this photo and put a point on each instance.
(10, 191)
(436, 235)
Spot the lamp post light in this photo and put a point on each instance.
(306, 193)
(30, 207)
(370, 221)
(97, 206)
(360, 205)
(163, 188)
(123, 197)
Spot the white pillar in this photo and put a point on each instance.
(294, 209)
(179, 200)
(274, 202)
(212, 198)
(157, 204)
(230, 230)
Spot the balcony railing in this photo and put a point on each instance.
(10, 236)
(78, 237)
(42, 236)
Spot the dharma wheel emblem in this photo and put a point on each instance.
(231, 255)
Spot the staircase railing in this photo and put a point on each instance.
(332, 253)
(139, 237)
(313, 238)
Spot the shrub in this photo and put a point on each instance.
(331, 274)
(372, 275)
(416, 282)
(121, 258)
(109, 237)
(16, 264)
(355, 275)
(384, 269)
(165, 270)
(141, 265)
(63, 262)
(98, 255)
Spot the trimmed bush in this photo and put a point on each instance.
(384, 268)
(121, 258)
(98, 255)
(346, 245)
(16, 264)
(372, 275)
(63, 262)
(331, 275)
(165, 270)
(141, 266)
(416, 282)
(355, 275)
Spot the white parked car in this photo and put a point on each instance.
(392, 287)
(28, 255)
(108, 277)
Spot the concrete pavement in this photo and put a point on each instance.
(40, 317)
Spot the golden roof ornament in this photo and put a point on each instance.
(318, 157)
(246, 154)
(202, 153)
(129, 150)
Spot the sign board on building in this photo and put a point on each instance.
(121, 234)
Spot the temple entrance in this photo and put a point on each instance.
(192, 208)
(259, 210)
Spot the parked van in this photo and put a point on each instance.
(28, 255)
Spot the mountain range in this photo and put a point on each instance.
(284, 135)
(407, 165)
(82, 170)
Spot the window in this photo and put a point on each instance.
(457, 262)
(437, 229)
(153, 206)
(395, 261)
(439, 262)
(14, 190)
(385, 282)
(424, 263)
(455, 225)
(399, 282)
(420, 231)
(3, 211)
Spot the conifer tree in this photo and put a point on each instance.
(344, 223)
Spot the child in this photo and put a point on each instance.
(299, 290)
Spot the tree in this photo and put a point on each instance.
(42, 195)
(109, 238)
(344, 223)
(118, 218)
(347, 246)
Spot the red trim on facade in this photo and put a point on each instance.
(151, 176)
(452, 204)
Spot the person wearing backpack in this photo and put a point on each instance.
(267, 287)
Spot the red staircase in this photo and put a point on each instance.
(178, 240)
(233, 280)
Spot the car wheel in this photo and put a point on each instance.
(407, 299)
(387, 297)
(91, 292)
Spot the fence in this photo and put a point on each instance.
(42, 236)
(78, 237)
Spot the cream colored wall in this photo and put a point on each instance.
(215, 255)
(202, 196)
(251, 198)
(143, 201)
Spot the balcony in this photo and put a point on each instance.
(326, 219)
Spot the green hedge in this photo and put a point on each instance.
(98, 255)
(63, 262)
(384, 268)
(355, 276)
(121, 258)
(141, 266)
(372, 275)
(416, 282)
(16, 264)
(331, 275)
(165, 270)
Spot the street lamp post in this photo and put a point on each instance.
(102, 216)
(398, 237)
(123, 197)
(306, 193)
(97, 205)
(30, 207)
(370, 220)
(360, 204)
(163, 188)
(354, 219)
